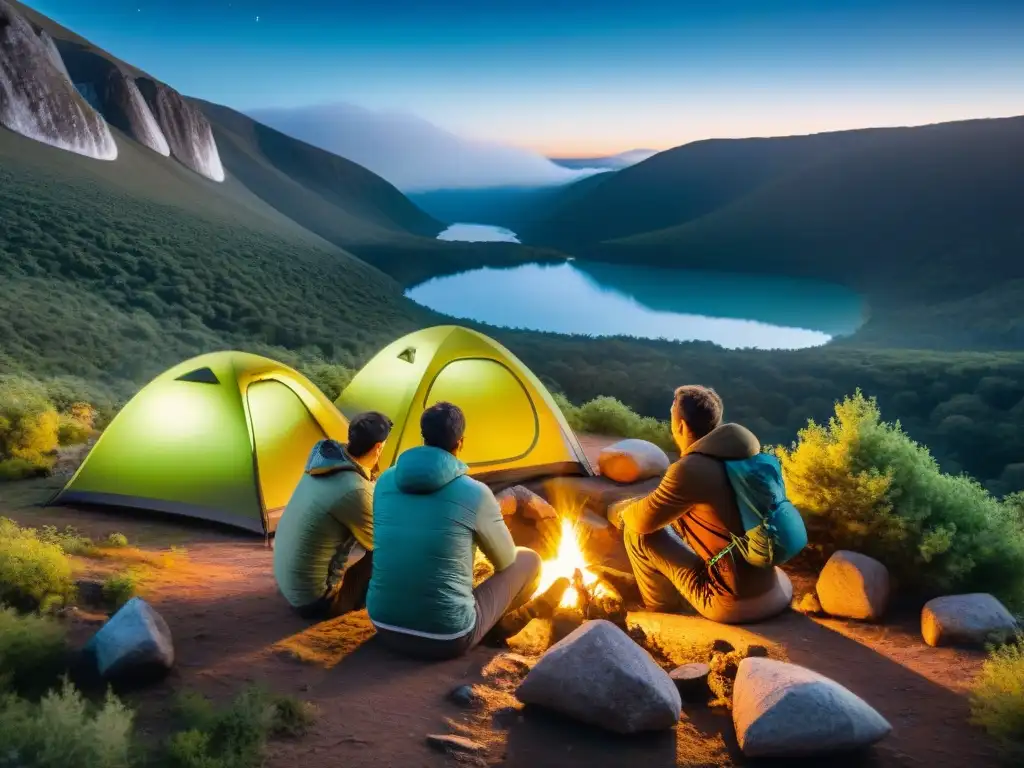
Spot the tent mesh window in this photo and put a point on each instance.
(200, 376)
(408, 355)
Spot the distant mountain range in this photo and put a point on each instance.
(930, 213)
(414, 154)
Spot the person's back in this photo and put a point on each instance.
(430, 517)
(329, 513)
(678, 534)
(427, 513)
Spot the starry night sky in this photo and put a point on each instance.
(583, 76)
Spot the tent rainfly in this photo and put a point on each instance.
(223, 437)
(514, 429)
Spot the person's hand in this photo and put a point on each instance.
(615, 513)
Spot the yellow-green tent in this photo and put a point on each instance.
(514, 429)
(223, 437)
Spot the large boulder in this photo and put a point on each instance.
(630, 461)
(970, 620)
(135, 641)
(854, 586)
(598, 675)
(782, 710)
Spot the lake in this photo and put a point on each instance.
(596, 299)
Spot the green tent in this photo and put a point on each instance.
(222, 437)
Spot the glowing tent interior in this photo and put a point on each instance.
(224, 437)
(514, 429)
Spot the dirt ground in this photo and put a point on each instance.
(231, 628)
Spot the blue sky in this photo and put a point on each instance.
(588, 76)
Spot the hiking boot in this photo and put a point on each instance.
(541, 607)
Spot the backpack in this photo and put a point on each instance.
(774, 531)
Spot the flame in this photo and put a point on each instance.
(567, 560)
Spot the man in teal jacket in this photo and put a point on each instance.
(429, 517)
(317, 564)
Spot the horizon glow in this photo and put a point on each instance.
(575, 80)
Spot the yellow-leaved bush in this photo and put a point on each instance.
(863, 484)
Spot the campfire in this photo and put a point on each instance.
(571, 562)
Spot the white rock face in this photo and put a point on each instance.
(127, 110)
(972, 620)
(853, 586)
(782, 710)
(37, 100)
(51, 49)
(632, 460)
(185, 127)
(598, 675)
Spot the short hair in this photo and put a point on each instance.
(365, 431)
(699, 408)
(442, 426)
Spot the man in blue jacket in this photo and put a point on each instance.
(429, 517)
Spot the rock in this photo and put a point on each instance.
(523, 501)
(853, 586)
(782, 710)
(692, 681)
(971, 620)
(465, 696)
(630, 461)
(598, 675)
(722, 646)
(90, 591)
(757, 651)
(809, 605)
(444, 742)
(185, 128)
(136, 640)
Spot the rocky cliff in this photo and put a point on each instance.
(128, 111)
(51, 49)
(186, 128)
(37, 100)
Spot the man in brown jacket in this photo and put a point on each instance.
(688, 519)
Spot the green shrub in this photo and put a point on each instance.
(119, 588)
(116, 540)
(34, 574)
(235, 737)
(70, 540)
(997, 701)
(862, 484)
(33, 652)
(28, 425)
(608, 416)
(21, 469)
(64, 730)
(330, 378)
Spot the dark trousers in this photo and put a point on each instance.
(348, 595)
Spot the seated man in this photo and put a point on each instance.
(330, 513)
(672, 533)
(429, 518)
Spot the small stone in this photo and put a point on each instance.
(465, 696)
(446, 742)
(783, 710)
(757, 652)
(966, 620)
(809, 605)
(722, 646)
(598, 675)
(853, 586)
(692, 681)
